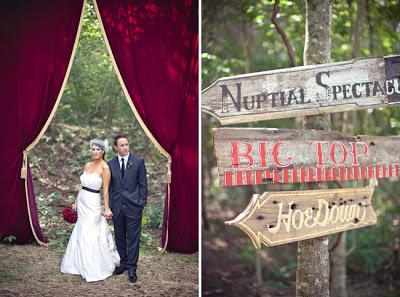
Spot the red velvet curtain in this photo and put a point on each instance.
(155, 46)
(37, 39)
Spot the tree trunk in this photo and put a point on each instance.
(206, 176)
(313, 256)
(258, 264)
(245, 41)
(358, 28)
(338, 281)
(338, 286)
(371, 33)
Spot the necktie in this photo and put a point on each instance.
(122, 168)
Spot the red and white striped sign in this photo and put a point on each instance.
(310, 174)
(259, 156)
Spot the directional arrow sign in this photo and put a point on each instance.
(247, 156)
(306, 90)
(275, 218)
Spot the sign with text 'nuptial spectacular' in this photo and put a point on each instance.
(305, 90)
(247, 156)
(275, 218)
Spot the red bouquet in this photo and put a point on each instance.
(70, 215)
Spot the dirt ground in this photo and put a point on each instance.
(32, 270)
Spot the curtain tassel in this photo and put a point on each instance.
(24, 165)
(169, 174)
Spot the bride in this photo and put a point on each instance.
(91, 250)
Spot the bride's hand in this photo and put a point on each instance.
(73, 206)
(108, 214)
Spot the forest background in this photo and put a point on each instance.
(241, 37)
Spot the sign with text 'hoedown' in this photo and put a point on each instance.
(275, 218)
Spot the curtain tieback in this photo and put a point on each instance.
(169, 174)
(24, 165)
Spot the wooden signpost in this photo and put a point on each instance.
(247, 156)
(275, 218)
(306, 90)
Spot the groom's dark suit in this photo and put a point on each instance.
(128, 196)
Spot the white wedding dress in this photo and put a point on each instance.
(91, 250)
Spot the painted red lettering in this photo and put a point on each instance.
(263, 153)
(320, 162)
(354, 151)
(275, 154)
(237, 156)
(333, 153)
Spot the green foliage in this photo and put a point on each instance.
(153, 215)
(275, 284)
(93, 95)
(285, 271)
(230, 27)
(377, 246)
(371, 253)
(63, 236)
(148, 241)
(226, 23)
(9, 239)
(247, 254)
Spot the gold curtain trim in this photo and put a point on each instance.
(32, 145)
(135, 112)
(28, 208)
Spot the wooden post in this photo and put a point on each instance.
(258, 265)
(338, 269)
(313, 257)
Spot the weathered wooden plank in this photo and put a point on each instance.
(306, 90)
(247, 156)
(275, 218)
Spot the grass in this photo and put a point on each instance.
(7, 276)
(182, 258)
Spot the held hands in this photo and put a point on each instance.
(108, 214)
(73, 206)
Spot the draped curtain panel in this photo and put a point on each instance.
(154, 44)
(37, 40)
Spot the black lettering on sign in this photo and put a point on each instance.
(392, 70)
(226, 93)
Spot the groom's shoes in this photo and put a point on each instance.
(119, 270)
(132, 277)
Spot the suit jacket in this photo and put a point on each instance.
(132, 189)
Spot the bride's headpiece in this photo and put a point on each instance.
(101, 144)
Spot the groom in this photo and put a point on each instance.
(128, 197)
